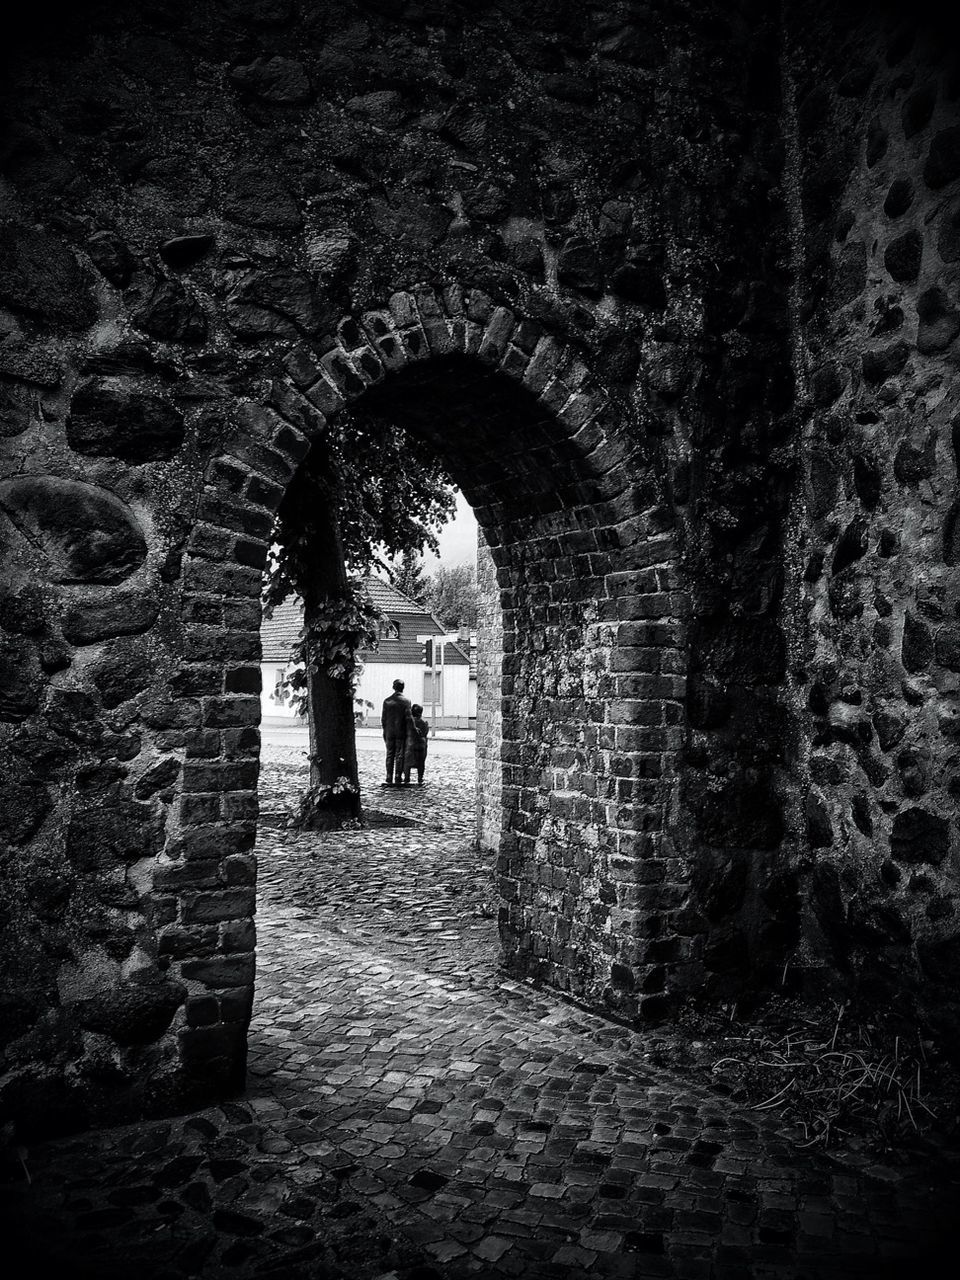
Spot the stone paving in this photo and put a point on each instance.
(410, 1115)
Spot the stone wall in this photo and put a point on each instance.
(489, 693)
(616, 264)
(214, 217)
(875, 641)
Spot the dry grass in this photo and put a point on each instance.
(838, 1084)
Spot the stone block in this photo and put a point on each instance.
(172, 314)
(21, 680)
(257, 197)
(245, 679)
(220, 971)
(237, 516)
(41, 278)
(178, 943)
(133, 427)
(223, 904)
(225, 579)
(239, 934)
(214, 842)
(196, 679)
(231, 712)
(85, 534)
(186, 877)
(135, 1012)
(202, 1011)
(943, 160)
(219, 777)
(90, 617)
(236, 1005)
(919, 836)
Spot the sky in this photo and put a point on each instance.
(458, 540)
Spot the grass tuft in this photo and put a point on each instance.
(835, 1081)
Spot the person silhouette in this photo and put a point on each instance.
(394, 717)
(415, 751)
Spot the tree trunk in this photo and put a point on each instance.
(333, 746)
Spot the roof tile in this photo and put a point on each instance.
(280, 632)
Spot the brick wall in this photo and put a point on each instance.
(489, 713)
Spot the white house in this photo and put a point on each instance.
(400, 656)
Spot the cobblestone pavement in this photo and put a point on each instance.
(409, 1115)
(426, 895)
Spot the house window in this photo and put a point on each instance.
(388, 630)
(428, 687)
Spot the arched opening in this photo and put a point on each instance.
(582, 773)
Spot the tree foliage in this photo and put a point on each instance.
(388, 492)
(367, 492)
(451, 594)
(406, 574)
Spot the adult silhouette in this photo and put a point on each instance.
(394, 718)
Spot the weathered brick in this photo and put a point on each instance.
(180, 943)
(225, 579)
(264, 493)
(219, 777)
(202, 644)
(294, 445)
(228, 475)
(203, 744)
(202, 1045)
(198, 809)
(239, 868)
(301, 366)
(178, 877)
(193, 680)
(244, 679)
(212, 542)
(202, 1011)
(221, 971)
(339, 369)
(236, 1005)
(231, 712)
(223, 904)
(207, 610)
(177, 713)
(239, 806)
(242, 615)
(239, 934)
(241, 744)
(240, 517)
(214, 842)
(246, 551)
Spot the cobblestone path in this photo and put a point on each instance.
(409, 1115)
(419, 887)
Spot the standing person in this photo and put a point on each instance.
(394, 718)
(415, 752)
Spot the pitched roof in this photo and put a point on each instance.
(279, 633)
(393, 602)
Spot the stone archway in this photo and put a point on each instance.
(591, 683)
(198, 193)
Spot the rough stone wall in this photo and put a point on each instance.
(590, 253)
(875, 645)
(735, 416)
(489, 693)
(210, 216)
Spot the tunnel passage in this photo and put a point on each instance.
(585, 762)
(506, 454)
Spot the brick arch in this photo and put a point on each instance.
(590, 681)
